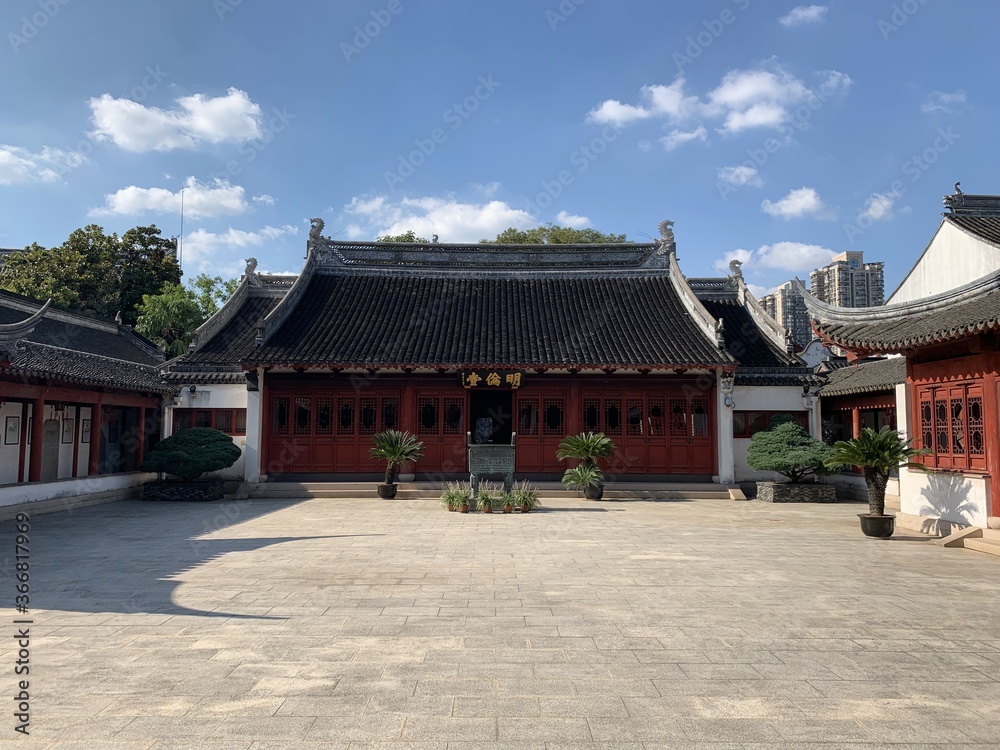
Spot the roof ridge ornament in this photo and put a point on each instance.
(734, 269)
(316, 242)
(667, 243)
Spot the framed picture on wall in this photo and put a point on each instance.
(12, 431)
(68, 428)
(84, 430)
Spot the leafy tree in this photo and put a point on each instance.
(789, 450)
(96, 272)
(192, 452)
(408, 236)
(171, 317)
(878, 454)
(553, 234)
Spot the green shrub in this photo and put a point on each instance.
(192, 452)
(789, 450)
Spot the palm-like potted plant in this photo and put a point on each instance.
(587, 448)
(877, 454)
(590, 479)
(395, 448)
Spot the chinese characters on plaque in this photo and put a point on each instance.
(487, 379)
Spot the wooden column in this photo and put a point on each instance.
(991, 428)
(76, 442)
(574, 410)
(408, 408)
(855, 422)
(94, 461)
(37, 423)
(140, 449)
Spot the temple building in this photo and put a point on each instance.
(490, 343)
(944, 319)
(80, 403)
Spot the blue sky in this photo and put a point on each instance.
(776, 132)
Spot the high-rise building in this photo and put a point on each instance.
(789, 309)
(849, 282)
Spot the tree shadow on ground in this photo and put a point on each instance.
(125, 557)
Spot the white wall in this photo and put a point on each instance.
(952, 259)
(761, 398)
(217, 396)
(67, 488)
(9, 454)
(952, 496)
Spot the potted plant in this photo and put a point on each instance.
(590, 479)
(462, 497)
(507, 501)
(587, 448)
(877, 454)
(450, 496)
(525, 496)
(484, 498)
(187, 455)
(789, 450)
(395, 448)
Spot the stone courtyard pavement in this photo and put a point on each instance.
(393, 624)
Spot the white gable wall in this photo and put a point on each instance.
(953, 258)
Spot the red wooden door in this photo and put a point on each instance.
(541, 426)
(441, 426)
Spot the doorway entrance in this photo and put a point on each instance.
(491, 416)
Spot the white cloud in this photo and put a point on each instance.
(450, 219)
(792, 256)
(566, 219)
(201, 200)
(204, 248)
(879, 207)
(761, 97)
(263, 200)
(787, 257)
(20, 166)
(679, 137)
(759, 291)
(197, 119)
(488, 189)
(799, 203)
(804, 14)
(742, 174)
(942, 101)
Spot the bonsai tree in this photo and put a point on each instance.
(877, 454)
(192, 452)
(790, 451)
(396, 448)
(586, 447)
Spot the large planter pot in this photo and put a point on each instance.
(387, 491)
(203, 490)
(508, 509)
(790, 492)
(877, 527)
(594, 493)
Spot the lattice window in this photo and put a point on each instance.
(977, 441)
(656, 409)
(367, 415)
(390, 412)
(224, 421)
(280, 415)
(427, 415)
(678, 417)
(302, 424)
(941, 423)
(592, 414)
(553, 410)
(633, 416)
(453, 423)
(345, 415)
(699, 417)
(527, 416)
(926, 424)
(324, 416)
(613, 417)
(958, 424)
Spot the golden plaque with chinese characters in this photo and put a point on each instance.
(490, 379)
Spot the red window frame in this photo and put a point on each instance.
(230, 421)
(746, 424)
(950, 421)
